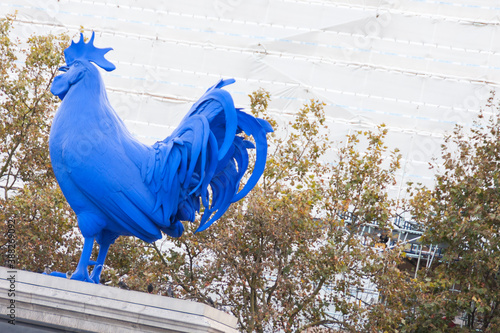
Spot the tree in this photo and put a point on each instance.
(462, 214)
(285, 258)
(31, 199)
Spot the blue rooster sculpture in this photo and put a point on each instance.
(118, 186)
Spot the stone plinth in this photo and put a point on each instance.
(56, 304)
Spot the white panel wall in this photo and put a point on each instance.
(419, 66)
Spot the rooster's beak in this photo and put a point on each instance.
(64, 68)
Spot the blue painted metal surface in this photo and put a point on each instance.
(118, 186)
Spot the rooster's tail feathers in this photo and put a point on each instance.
(204, 160)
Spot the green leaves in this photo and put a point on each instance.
(44, 222)
(461, 213)
(360, 181)
(26, 106)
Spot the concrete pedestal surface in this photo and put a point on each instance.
(42, 303)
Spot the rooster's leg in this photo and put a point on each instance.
(81, 273)
(96, 273)
(104, 239)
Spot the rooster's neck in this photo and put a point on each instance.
(91, 87)
(88, 96)
(86, 108)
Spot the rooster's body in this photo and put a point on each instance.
(118, 186)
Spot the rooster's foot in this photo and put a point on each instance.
(81, 275)
(58, 274)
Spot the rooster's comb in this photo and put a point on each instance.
(87, 51)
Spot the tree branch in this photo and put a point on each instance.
(307, 300)
(320, 323)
